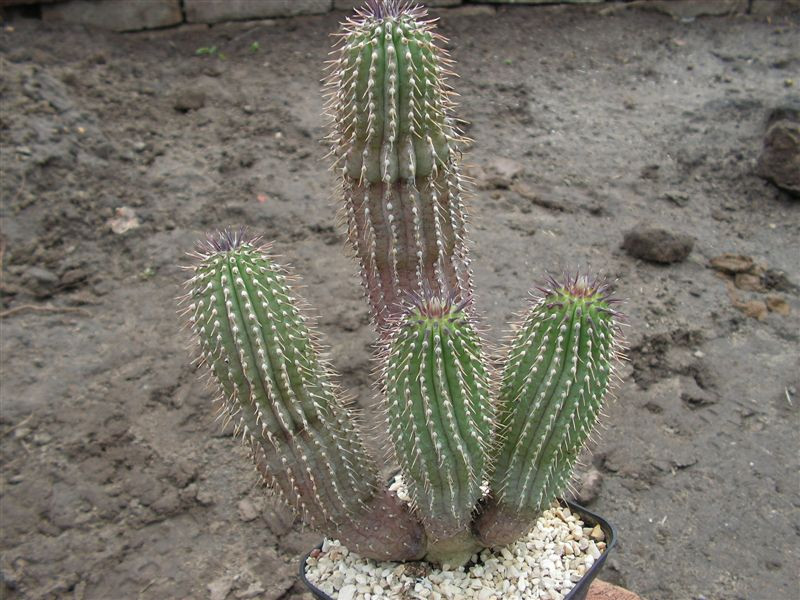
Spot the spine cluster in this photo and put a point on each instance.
(394, 148)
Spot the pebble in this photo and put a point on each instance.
(657, 245)
(189, 99)
(544, 565)
(732, 263)
(779, 161)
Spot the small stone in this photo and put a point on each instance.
(42, 282)
(347, 592)
(254, 589)
(204, 497)
(597, 534)
(189, 99)
(755, 309)
(657, 245)
(600, 590)
(778, 305)
(677, 197)
(779, 161)
(590, 484)
(748, 282)
(732, 263)
(220, 588)
(247, 511)
(124, 220)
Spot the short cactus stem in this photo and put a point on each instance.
(554, 382)
(440, 421)
(394, 145)
(279, 392)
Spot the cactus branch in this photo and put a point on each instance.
(394, 147)
(440, 419)
(555, 379)
(279, 391)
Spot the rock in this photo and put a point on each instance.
(755, 309)
(203, 11)
(777, 304)
(38, 281)
(657, 245)
(189, 99)
(779, 161)
(688, 10)
(541, 1)
(247, 511)
(748, 282)
(693, 395)
(40, 278)
(772, 8)
(220, 588)
(348, 592)
(600, 590)
(540, 197)
(351, 4)
(253, 590)
(590, 485)
(117, 15)
(71, 278)
(124, 220)
(732, 263)
(472, 10)
(505, 168)
(677, 197)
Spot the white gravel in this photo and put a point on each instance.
(543, 566)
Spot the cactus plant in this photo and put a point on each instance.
(394, 143)
(480, 461)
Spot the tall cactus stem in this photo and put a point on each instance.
(394, 147)
(277, 388)
(558, 371)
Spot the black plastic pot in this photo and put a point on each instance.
(577, 593)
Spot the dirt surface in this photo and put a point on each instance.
(119, 151)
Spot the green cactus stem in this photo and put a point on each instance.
(394, 144)
(554, 382)
(440, 421)
(278, 390)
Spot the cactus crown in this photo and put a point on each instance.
(480, 460)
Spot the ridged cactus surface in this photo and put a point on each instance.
(394, 144)
(554, 383)
(439, 413)
(276, 387)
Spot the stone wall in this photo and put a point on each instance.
(137, 15)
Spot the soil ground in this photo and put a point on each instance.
(116, 481)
